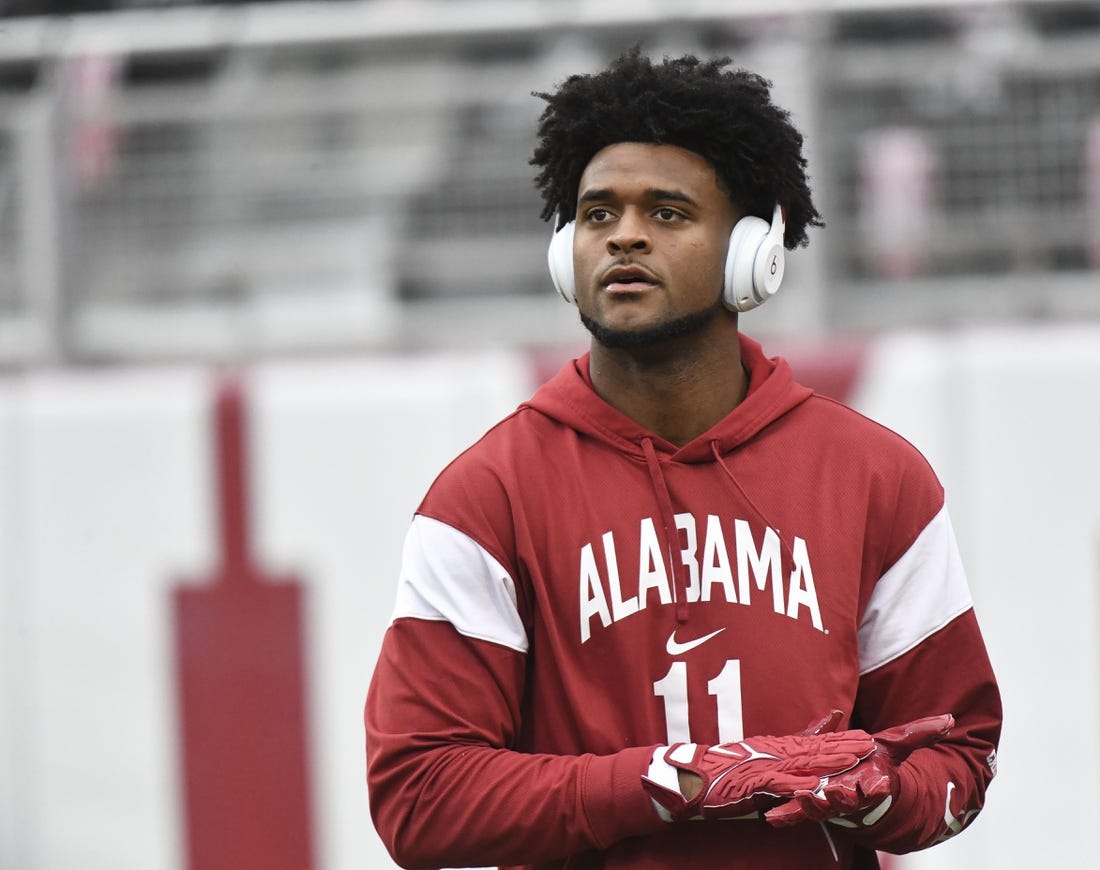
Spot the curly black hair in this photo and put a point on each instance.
(726, 116)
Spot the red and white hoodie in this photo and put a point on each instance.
(577, 591)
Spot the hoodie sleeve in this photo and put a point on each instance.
(922, 654)
(442, 717)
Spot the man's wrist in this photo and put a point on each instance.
(690, 783)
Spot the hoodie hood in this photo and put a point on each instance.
(570, 399)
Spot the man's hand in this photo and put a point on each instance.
(860, 796)
(750, 775)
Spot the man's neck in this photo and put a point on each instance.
(676, 392)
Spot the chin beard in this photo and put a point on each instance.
(652, 336)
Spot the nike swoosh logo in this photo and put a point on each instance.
(678, 649)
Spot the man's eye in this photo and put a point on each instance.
(599, 214)
(667, 214)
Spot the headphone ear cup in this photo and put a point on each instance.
(755, 261)
(737, 288)
(767, 269)
(559, 257)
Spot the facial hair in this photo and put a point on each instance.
(652, 336)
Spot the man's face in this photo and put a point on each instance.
(650, 245)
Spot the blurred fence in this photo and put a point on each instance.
(258, 180)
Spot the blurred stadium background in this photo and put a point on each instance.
(331, 201)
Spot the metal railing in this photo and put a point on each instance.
(227, 182)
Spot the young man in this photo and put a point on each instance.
(678, 611)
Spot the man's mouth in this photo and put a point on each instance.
(628, 279)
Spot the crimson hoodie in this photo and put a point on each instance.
(576, 592)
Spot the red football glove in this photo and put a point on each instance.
(749, 775)
(859, 797)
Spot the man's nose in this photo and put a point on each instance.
(631, 233)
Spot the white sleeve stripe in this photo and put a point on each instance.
(866, 669)
(920, 594)
(446, 576)
(469, 634)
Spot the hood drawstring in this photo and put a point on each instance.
(760, 515)
(679, 572)
(681, 580)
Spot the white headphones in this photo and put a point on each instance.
(754, 262)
